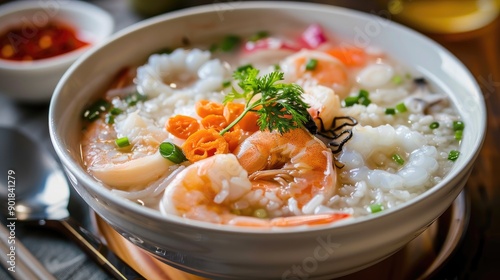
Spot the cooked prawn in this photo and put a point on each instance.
(217, 190)
(328, 71)
(324, 105)
(130, 168)
(295, 167)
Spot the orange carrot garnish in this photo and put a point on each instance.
(204, 143)
(182, 126)
(247, 123)
(207, 107)
(217, 122)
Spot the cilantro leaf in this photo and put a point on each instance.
(280, 106)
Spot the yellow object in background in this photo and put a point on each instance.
(444, 16)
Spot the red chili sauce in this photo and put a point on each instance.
(25, 43)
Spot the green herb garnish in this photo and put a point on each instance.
(172, 152)
(225, 84)
(363, 93)
(363, 98)
(95, 110)
(458, 125)
(398, 159)
(115, 111)
(434, 125)
(311, 64)
(459, 134)
(351, 100)
(390, 111)
(279, 106)
(134, 98)
(122, 142)
(401, 107)
(397, 79)
(376, 207)
(453, 155)
(259, 35)
(109, 118)
(229, 43)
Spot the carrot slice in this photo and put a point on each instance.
(204, 143)
(182, 126)
(217, 122)
(351, 57)
(207, 107)
(233, 137)
(247, 123)
(232, 111)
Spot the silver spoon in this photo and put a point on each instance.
(42, 197)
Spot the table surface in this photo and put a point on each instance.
(476, 257)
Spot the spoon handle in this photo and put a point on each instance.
(95, 248)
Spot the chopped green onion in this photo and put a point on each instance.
(397, 80)
(134, 98)
(458, 134)
(93, 111)
(229, 43)
(434, 125)
(277, 67)
(351, 100)
(376, 207)
(311, 64)
(364, 101)
(259, 35)
(226, 84)
(390, 111)
(453, 155)
(401, 107)
(109, 119)
(363, 93)
(172, 152)
(122, 142)
(115, 111)
(363, 97)
(260, 213)
(398, 159)
(458, 125)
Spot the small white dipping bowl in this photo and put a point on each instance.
(221, 252)
(35, 81)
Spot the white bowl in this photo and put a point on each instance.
(219, 251)
(35, 81)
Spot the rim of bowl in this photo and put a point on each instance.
(90, 11)
(97, 187)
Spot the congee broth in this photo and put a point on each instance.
(269, 131)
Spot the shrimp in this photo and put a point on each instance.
(328, 71)
(294, 171)
(127, 168)
(324, 105)
(217, 190)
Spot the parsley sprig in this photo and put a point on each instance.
(279, 106)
